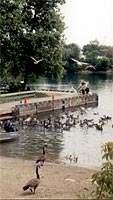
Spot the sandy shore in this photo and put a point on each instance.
(57, 180)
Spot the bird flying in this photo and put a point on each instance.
(90, 67)
(36, 61)
(78, 62)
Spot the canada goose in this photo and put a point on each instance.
(33, 183)
(41, 158)
(99, 127)
(107, 117)
(70, 158)
(75, 159)
(36, 61)
(89, 125)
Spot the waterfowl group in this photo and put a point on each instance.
(72, 159)
(32, 184)
(65, 121)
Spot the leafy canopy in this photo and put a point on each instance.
(31, 28)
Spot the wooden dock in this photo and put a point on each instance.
(54, 101)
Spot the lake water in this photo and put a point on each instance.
(84, 143)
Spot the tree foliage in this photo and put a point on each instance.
(103, 64)
(71, 51)
(91, 51)
(31, 28)
(104, 177)
(100, 56)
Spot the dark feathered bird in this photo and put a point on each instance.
(33, 183)
(41, 158)
(90, 68)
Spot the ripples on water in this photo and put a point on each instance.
(79, 141)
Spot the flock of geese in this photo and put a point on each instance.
(60, 123)
(64, 122)
(72, 158)
(32, 184)
(68, 120)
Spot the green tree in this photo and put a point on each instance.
(10, 30)
(109, 54)
(91, 52)
(71, 51)
(31, 28)
(104, 177)
(100, 56)
(103, 64)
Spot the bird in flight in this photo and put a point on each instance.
(36, 61)
(90, 67)
(78, 62)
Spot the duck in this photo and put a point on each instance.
(41, 158)
(33, 183)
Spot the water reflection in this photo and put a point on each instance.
(79, 141)
(30, 144)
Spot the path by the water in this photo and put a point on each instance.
(57, 95)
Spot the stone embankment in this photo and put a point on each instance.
(54, 101)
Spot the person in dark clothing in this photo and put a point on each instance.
(83, 88)
(87, 90)
(8, 126)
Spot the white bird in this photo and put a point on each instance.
(36, 61)
(78, 62)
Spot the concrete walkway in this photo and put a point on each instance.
(7, 107)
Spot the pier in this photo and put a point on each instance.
(54, 101)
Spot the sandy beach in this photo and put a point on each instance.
(57, 180)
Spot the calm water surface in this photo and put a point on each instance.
(79, 141)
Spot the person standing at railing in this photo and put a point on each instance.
(83, 88)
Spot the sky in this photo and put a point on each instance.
(87, 20)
